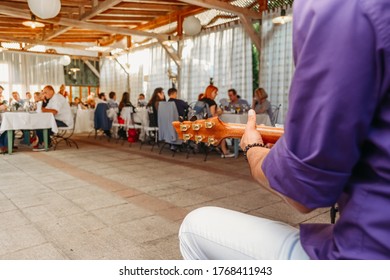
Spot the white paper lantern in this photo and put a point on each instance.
(192, 25)
(45, 8)
(65, 60)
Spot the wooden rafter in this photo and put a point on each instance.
(95, 11)
(224, 6)
(87, 25)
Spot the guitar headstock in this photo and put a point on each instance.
(210, 131)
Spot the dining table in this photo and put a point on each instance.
(11, 121)
(228, 117)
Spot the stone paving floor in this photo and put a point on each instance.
(111, 201)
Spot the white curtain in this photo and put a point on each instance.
(23, 72)
(159, 65)
(276, 62)
(139, 68)
(113, 76)
(224, 55)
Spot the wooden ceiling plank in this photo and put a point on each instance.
(170, 17)
(39, 42)
(87, 25)
(95, 11)
(114, 12)
(226, 7)
(101, 7)
(143, 7)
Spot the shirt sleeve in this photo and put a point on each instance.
(332, 100)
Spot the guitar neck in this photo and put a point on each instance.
(268, 133)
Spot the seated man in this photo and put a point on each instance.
(235, 99)
(59, 107)
(111, 102)
(182, 106)
(16, 101)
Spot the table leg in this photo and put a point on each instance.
(10, 140)
(46, 138)
(236, 143)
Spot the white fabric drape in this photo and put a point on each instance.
(225, 55)
(24, 72)
(276, 62)
(113, 77)
(159, 65)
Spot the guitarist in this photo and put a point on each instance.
(335, 150)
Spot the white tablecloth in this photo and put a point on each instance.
(84, 121)
(27, 121)
(243, 118)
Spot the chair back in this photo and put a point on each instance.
(126, 114)
(101, 120)
(167, 113)
(200, 111)
(275, 114)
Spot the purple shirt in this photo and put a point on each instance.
(336, 146)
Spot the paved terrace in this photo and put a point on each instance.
(108, 201)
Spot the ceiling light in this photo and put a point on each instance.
(33, 23)
(283, 18)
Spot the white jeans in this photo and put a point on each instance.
(217, 233)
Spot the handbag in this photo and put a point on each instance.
(132, 135)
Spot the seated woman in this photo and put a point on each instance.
(125, 102)
(158, 95)
(208, 97)
(260, 103)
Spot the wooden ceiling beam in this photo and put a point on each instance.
(87, 25)
(160, 21)
(224, 6)
(24, 6)
(169, 2)
(144, 7)
(113, 12)
(95, 11)
(124, 18)
(248, 26)
(39, 42)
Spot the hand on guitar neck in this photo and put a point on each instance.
(213, 130)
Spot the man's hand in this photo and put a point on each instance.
(251, 135)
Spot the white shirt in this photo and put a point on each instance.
(61, 105)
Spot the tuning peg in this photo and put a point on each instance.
(184, 127)
(187, 137)
(196, 126)
(198, 139)
(211, 141)
(209, 124)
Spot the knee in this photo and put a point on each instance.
(191, 228)
(195, 217)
